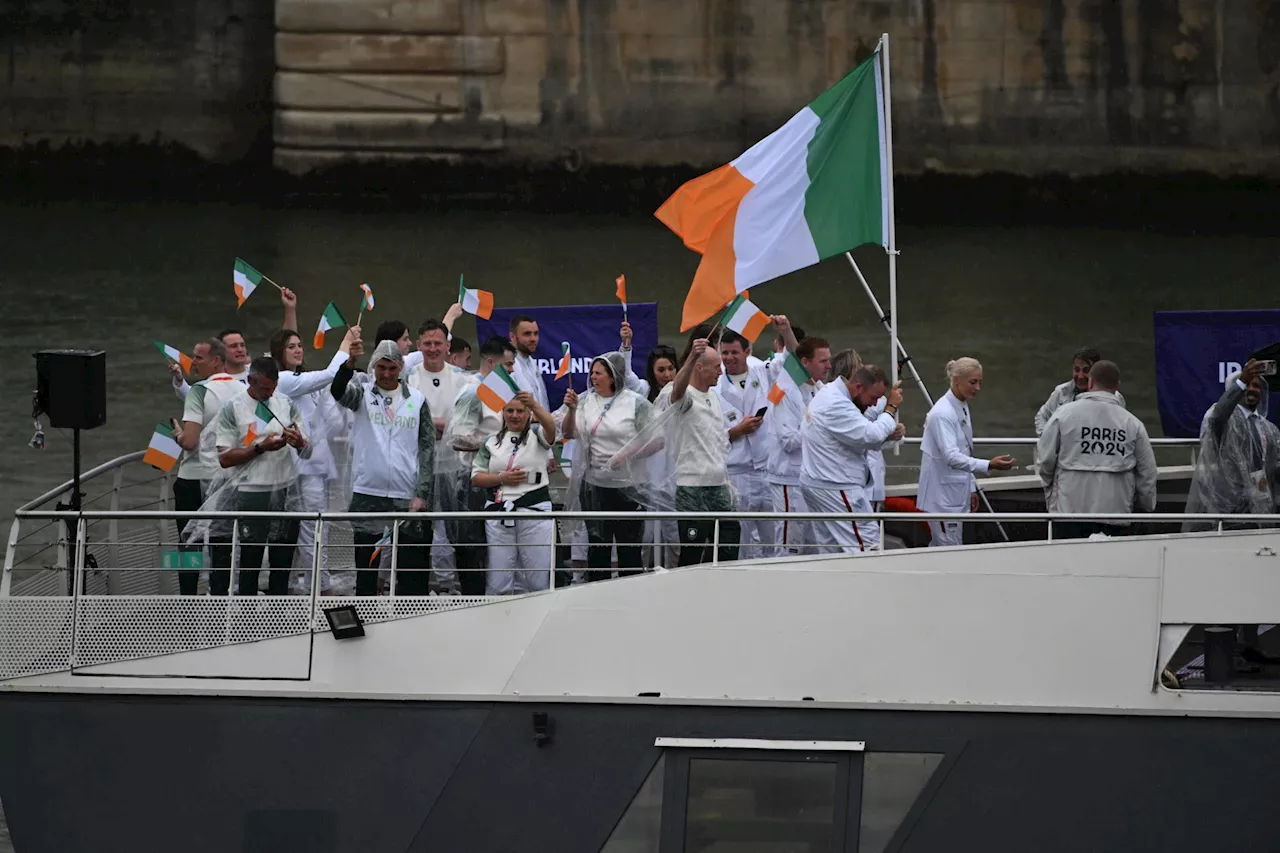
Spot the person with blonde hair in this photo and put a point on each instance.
(947, 464)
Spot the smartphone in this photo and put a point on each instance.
(760, 412)
(1268, 367)
(534, 477)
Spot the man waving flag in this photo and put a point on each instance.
(815, 187)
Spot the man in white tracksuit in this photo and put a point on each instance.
(441, 384)
(785, 453)
(1095, 457)
(744, 390)
(834, 474)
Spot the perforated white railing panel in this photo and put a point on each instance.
(35, 635)
(116, 628)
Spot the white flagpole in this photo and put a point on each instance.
(893, 242)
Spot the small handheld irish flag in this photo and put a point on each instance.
(382, 542)
(563, 370)
(246, 280)
(743, 317)
(497, 389)
(262, 416)
(163, 451)
(330, 319)
(793, 375)
(477, 302)
(175, 356)
(367, 303)
(621, 292)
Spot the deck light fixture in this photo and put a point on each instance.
(344, 622)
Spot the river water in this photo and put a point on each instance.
(115, 277)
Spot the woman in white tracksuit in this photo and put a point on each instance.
(309, 390)
(514, 464)
(948, 465)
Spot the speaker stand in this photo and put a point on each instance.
(73, 506)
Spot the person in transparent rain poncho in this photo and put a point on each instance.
(260, 438)
(1239, 453)
(512, 466)
(603, 420)
(393, 444)
(690, 433)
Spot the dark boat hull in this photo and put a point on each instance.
(141, 773)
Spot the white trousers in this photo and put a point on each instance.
(521, 557)
(944, 533)
(842, 535)
(313, 489)
(758, 538)
(795, 536)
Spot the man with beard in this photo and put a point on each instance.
(835, 475)
(1084, 359)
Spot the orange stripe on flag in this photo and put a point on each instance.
(703, 213)
(490, 398)
(563, 370)
(250, 437)
(757, 324)
(318, 340)
(240, 297)
(777, 394)
(621, 292)
(484, 306)
(159, 460)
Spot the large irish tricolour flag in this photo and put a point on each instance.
(815, 187)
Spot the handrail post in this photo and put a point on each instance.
(880, 522)
(555, 535)
(1050, 530)
(77, 564)
(315, 573)
(235, 558)
(113, 533)
(395, 556)
(715, 541)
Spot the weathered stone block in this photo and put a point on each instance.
(389, 53)
(401, 131)
(403, 92)
(371, 16)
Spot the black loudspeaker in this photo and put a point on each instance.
(71, 387)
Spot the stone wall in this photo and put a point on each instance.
(1030, 86)
(192, 72)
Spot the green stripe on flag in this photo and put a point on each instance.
(247, 271)
(264, 413)
(843, 205)
(731, 309)
(462, 288)
(502, 374)
(795, 369)
(333, 316)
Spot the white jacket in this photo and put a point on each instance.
(393, 445)
(785, 452)
(836, 438)
(947, 465)
(750, 452)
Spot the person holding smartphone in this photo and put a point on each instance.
(513, 463)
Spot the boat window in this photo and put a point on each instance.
(891, 783)
(640, 829)
(1220, 657)
(744, 805)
